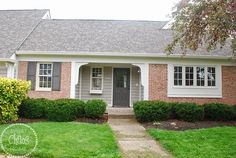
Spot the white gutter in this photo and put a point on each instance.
(7, 60)
(119, 54)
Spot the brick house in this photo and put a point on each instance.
(118, 61)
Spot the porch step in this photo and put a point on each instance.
(120, 112)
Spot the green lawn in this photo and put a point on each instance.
(73, 140)
(217, 142)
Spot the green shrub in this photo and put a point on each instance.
(189, 112)
(152, 110)
(78, 105)
(12, 92)
(34, 108)
(61, 111)
(219, 112)
(95, 108)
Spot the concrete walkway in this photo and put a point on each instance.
(133, 140)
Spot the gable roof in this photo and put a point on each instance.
(106, 36)
(15, 26)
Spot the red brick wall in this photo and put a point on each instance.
(65, 82)
(158, 84)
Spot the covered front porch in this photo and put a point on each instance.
(118, 84)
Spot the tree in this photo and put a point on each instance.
(204, 23)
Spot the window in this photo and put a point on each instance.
(96, 80)
(195, 76)
(44, 76)
(178, 76)
(189, 76)
(211, 76)
(200, 76)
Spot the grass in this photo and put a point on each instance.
(217, 142)
(73, 140)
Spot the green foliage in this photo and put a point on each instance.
(34, 108)
(61, 111)
(152, 110)
(219, 111)
(95, 108)
(205, 22)
(78, 104)
(189, 112)
(12, 92)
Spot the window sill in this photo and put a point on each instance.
(95, 91)
(194, 87)
(43, 90)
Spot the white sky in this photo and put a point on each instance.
(98, 9)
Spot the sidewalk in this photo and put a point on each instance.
(134, 141)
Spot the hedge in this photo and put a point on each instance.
(61, 109)
(95, 108)
(152, 110)
(157, 110)
(34, 108)
(219, 112)
(189, 112)
(12, 92)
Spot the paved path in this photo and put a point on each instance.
(133, 140)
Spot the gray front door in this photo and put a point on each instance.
(121, 87)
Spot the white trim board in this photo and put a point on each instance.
(123, 54)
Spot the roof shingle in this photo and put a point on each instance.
(15, 25)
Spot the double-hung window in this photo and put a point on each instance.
(44, 76)
(96, 80)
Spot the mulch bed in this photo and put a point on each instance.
(179, 125)
(85, 120)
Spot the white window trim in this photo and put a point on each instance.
(96, 91)
(194, 91)
(37, 78)
(195, 77)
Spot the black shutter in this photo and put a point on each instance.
(31, 74)
(56, 76)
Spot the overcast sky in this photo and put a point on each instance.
(98, 9)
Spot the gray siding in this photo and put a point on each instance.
(3, 70)
(135, 84)
(107, 84)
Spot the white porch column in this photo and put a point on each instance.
(10, 70)
(144, 67)
(75, 67)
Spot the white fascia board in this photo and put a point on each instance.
(8, 60)
(121, 54)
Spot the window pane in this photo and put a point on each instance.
(96, 78)
(200, 76)
(96, 84)
(178, 76)
(211, 76)
(189, 76)
(45, 75)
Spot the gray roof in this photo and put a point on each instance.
(105, 36)
(15, 25)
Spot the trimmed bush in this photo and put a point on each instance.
(189, 112)
(34, 108)
(61, 111)
(95, 108)
(12, 92)
(78, 105)
(219, 112)
(152, 110)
